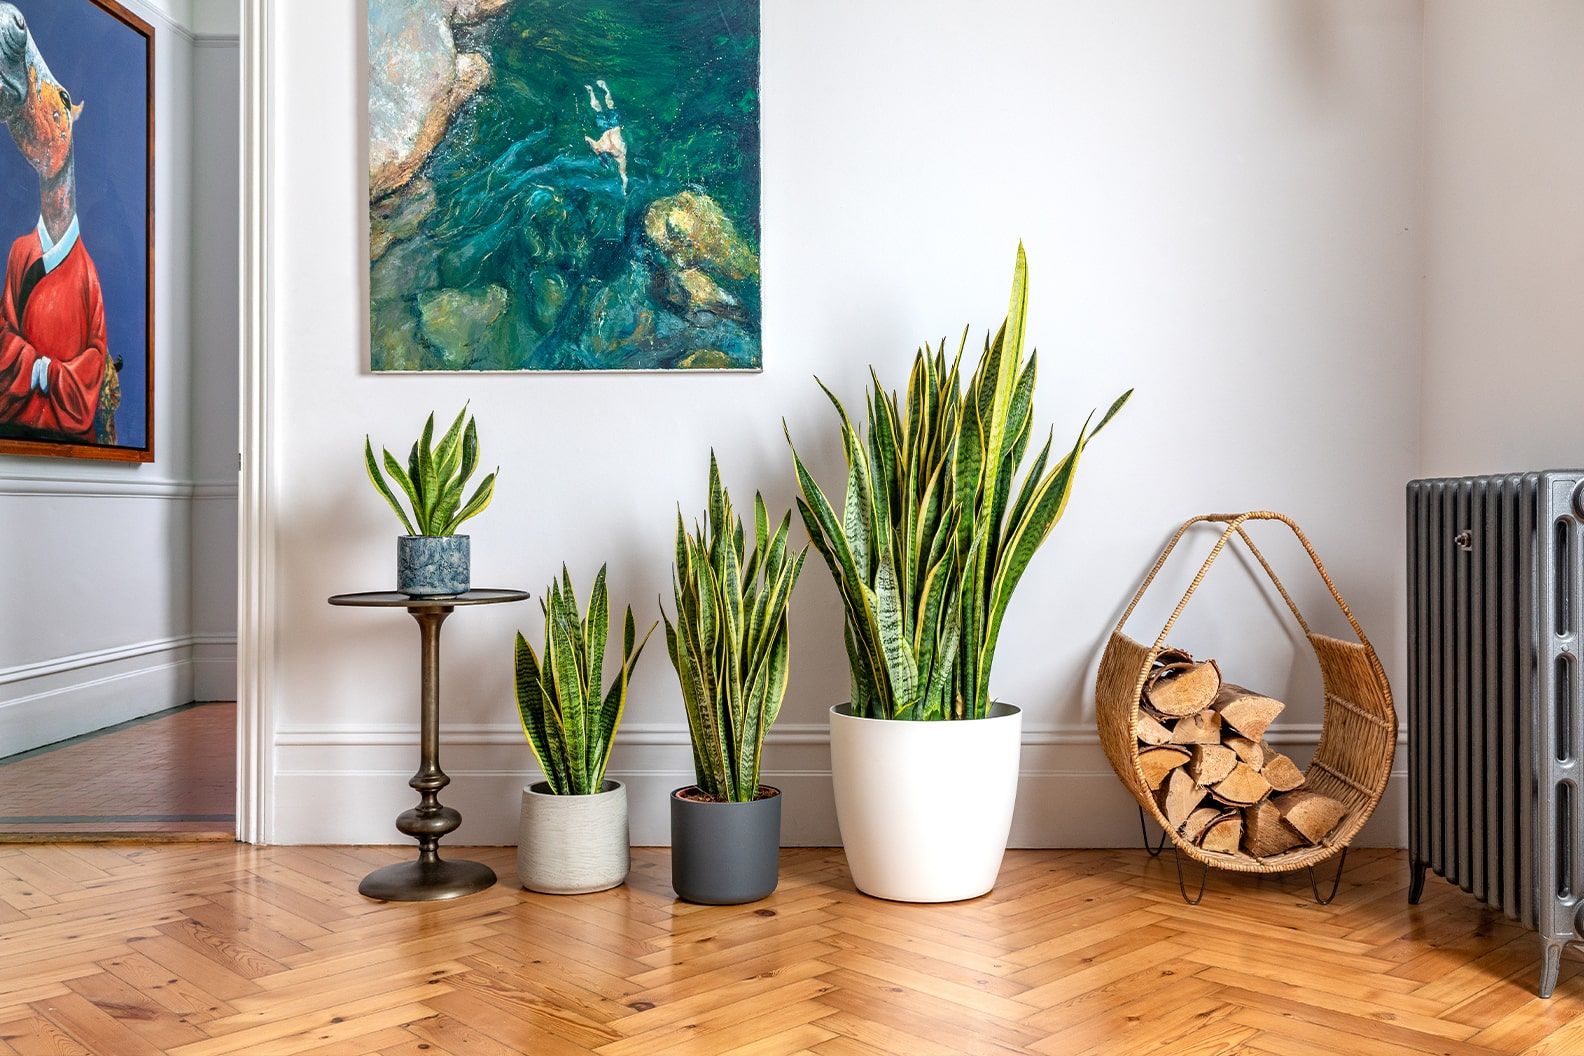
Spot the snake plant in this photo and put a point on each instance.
(729, 644)
(434, 478)
(932, 535)
(568, 725)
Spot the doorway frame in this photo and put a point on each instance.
(257, 494)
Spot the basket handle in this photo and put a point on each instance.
(1234, 526)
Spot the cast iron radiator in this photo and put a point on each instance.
(1494, 599)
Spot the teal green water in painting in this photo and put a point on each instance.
(516, 247)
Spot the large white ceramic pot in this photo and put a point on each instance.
(925, 808)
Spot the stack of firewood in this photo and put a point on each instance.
(1202, 750)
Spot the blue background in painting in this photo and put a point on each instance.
(102, 62)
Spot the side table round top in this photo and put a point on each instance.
(394, 599)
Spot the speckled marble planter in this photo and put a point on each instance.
(432, 566)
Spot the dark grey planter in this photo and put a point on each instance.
(432, 566)
(725, 854)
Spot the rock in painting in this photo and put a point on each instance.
(458, 321)
(564, 185)
(417, 82)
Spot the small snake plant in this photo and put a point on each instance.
(729, 644)
(931, 537)
(434, 478)
(568, 725)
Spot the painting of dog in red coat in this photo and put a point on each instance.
(76, 333)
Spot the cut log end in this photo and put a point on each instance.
(1311, 815)
(1247, 712)
(1159, 761)
(1202, 727)
(1224, 834)
(1248, 751)
(1243, 787)
(1180, 798)
(1282, 773)
(1183, 688)
(1264, 832)
(1199, 821)
(1152, 731)
(1212, 763)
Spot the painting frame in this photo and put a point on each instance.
(110, 452)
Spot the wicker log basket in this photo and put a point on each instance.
(1357, 740)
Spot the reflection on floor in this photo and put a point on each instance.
(174, 771)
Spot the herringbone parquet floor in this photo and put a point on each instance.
(207, 949)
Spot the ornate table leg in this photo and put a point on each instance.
(430, 878)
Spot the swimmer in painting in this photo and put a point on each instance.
(610, 144)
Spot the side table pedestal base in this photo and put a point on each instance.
(422, 881)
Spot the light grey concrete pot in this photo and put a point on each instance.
(725, 854)
(571, 845)
(432, 566)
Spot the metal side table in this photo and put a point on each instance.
(429, 878)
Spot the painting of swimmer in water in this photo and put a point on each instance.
(564, 185)
(76, 340)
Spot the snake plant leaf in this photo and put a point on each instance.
(448, 455)
(470, 449)
(428, 477)
(415, 477)
(561, 661)
(475, 506)
(531, 711)
(1105, 419)
(378, 480)
(615, 705)
(403, 481)
(595, 628)
(446, 508)
(900, 663)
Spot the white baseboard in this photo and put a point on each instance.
(215, 668)
(49, 701)
(346, 785)
(56, 714)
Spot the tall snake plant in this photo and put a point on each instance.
(434, 478)
(729, 644)
(932, 537)
(569, 727)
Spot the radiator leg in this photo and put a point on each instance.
(1550, 965)
(1204, 876)
(1144, 830)
(1416, 882)
(1336, 881)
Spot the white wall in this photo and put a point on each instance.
(1220, 206)
(1504, 261)
(93, 633)
(217, 84)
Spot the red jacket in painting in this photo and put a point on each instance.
(57, 315)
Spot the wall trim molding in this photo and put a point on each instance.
(99, 657)
(459, 735)
(130, 487)
(370, 791)
(258, 502)
(183, 18)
